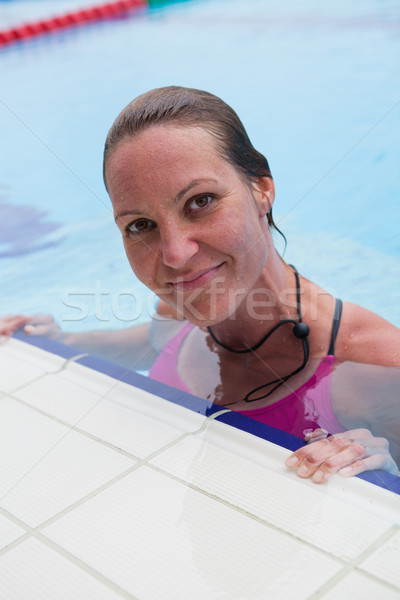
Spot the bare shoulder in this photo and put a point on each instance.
(367, 338)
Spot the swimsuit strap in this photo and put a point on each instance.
(335, 325)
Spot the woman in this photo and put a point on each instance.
(193, 201)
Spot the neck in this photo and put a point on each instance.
(272, 300)
(300, 330)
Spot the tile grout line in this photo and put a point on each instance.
(349, 567)
(33, 531)
(353, 564)
(73, 427)
(95, 438)
(20, 387)
(377, 579)
(36, 532)
(64, 365)
(246, 513)
(145, 462)
(87, 434)
(109, 583)
(67, 362)
(70, 428)
(8, 515)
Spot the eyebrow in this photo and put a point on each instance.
(176, 200)
(125, 213)
(190, 185)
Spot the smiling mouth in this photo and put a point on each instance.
(196, 280)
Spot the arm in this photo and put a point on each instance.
(366, 400)
(368, 396)
(128, 347)
(365, 337)
(134, 347)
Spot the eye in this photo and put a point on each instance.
(200, 202)
(139, 226)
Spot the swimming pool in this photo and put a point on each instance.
(316, 86)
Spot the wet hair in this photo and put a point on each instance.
(188, 107)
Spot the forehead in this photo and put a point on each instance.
(164, 152)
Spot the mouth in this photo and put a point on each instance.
(192, 281)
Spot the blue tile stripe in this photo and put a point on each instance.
(194, 403)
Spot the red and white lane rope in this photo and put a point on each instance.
(72, 19)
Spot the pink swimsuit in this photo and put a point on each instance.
(304, 410)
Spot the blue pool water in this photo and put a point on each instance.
(316, 85)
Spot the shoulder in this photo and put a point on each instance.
(163, 330)
(367, 338)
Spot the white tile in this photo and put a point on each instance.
(360, 587)
(118, 413)
(25, 437)
(157, 538)
(249, 473)
(59, 396)
(14, 371)
(385, 562)
(89, 379)
(21, 363)
(45, 467)
(31, 354)
(138, 421)
(32, 571)
(9, 531)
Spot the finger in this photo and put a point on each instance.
(374, 445)
(317, 452)
(370, 463)
(327, 457)
(42, 319)
(338, 461)
(12, 317)
(11, 325)
(355, 434)
(314, 436)
(36, 329)
(52, 331)
(371, 443)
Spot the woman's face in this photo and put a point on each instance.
(193, 231)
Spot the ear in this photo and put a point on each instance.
(264, 194)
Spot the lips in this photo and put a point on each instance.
(193, 280)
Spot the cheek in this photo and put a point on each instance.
(140, 261)
(254, 249)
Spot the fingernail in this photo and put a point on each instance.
(292, 461)
(345, 471)
(318, 476)
(302, 471)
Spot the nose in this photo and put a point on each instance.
(177, 245)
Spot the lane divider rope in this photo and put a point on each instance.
(71, 19)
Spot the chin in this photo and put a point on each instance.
(204, 315)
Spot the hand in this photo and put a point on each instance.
(10, 323)
(35, 325)
(347, 454)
